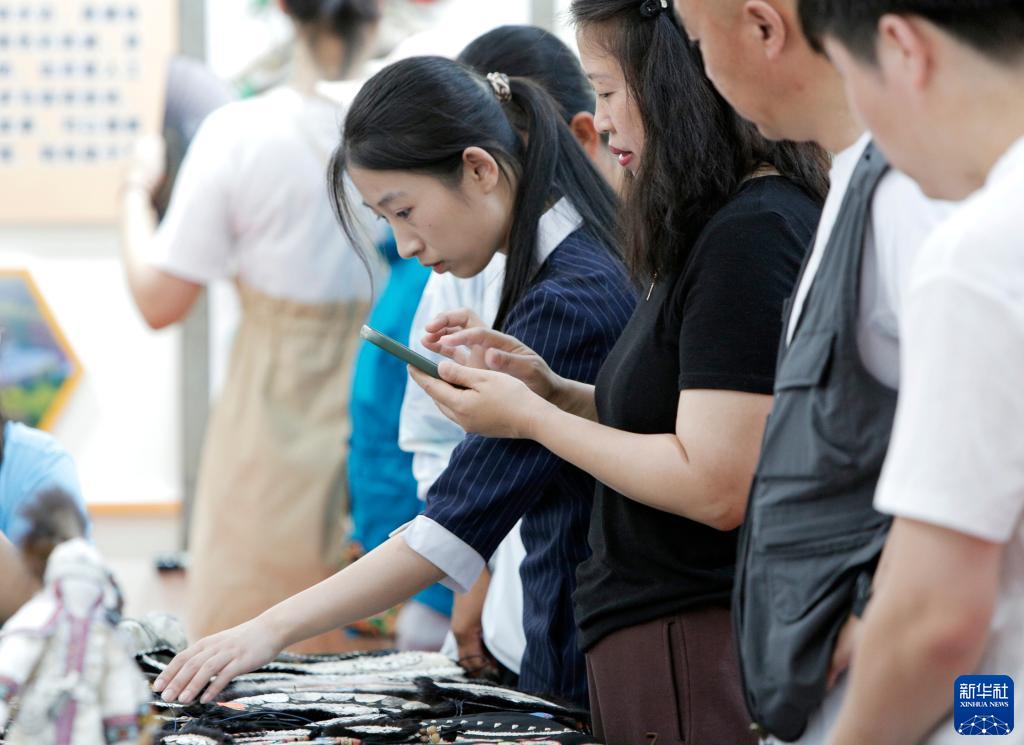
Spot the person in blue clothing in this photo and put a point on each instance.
(31, 462)
(464, 166)
(382, 489)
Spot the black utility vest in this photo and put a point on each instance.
(811, 533)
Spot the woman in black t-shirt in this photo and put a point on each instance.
(716, 223)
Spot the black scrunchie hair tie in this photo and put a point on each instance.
(653, 8)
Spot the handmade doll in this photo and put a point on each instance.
(63, 666)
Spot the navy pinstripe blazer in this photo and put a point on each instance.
(571, 315)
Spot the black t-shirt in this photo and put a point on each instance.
(714, 325)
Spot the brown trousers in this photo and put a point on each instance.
(669, 681)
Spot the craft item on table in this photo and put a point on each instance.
(378, 697)
(154, 631)
(66, 677)
(492, 728)
(493, 696)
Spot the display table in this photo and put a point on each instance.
(383, 697)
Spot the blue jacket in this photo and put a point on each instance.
(382, 489)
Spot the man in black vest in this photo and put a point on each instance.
(940, 82)
(812, 539)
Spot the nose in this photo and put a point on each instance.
(409, 245)
(602, 122)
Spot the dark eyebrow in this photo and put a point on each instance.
(390, 197)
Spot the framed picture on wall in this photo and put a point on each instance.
(38, 368)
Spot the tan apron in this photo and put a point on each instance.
(272, 496)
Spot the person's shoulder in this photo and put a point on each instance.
(978, 244)
(582, 266)
(768, 197)
(255, 119)
(228, 118)
(24, 441)
(582, 279)
(581, 255)
(899, 208)
(766, 212)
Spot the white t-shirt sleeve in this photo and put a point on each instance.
(957, 453)
(195, 239)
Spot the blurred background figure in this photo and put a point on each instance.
(193, 92)
(250, 205)
(31, 462)
(381, 483)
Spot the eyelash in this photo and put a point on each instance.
(605, 96)
(403, 214)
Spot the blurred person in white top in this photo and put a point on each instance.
(250, 204)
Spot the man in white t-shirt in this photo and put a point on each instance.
(759, 59)
(940, 85)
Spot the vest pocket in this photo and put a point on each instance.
(806, 363)
(810, 432)
(802, 573)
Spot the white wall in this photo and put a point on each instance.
(122, 424)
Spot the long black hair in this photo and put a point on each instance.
(421, 114)
(697, 150)
(531, 52)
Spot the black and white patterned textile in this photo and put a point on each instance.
(364, 699)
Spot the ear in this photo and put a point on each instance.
(585, 132)
(906, 49)
(480, 169)
(764, 20)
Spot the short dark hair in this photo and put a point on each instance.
(697, 150)
(420, 115)
(532, 52)
(993, 27)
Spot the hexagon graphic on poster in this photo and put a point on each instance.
(38, 369)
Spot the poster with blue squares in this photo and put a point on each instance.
(80, 81)
(983, 705)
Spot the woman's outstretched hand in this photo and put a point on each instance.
(214, 661)
(484, 402)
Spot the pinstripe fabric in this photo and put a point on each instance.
(572, 315)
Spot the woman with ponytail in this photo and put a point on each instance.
(716, 222)
(463, 167)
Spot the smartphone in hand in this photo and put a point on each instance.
(400, 351)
